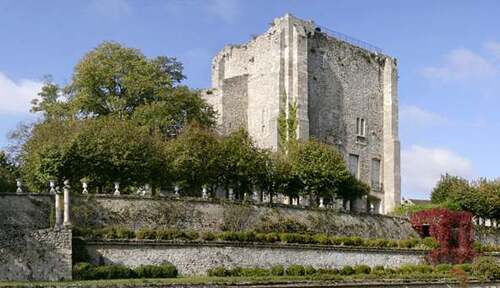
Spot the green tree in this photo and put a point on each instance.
(50, 102)
(7, 174)
(241, 162)
(320, 168)
(448, 188)
(194, 156)
(108, 149)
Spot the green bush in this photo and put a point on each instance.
(408, 243)
(376, 242)
(82, 271)
(466, 267)
(352, 241)
(295, 238)
(295, 270)
(124, 233)
(260, 237)
(252, 272)
(430, 242)
(246, 236)
(362, 269)
(328, 271)
(443, 268)
(106, 272)
(189, 235)
(218, 272)
(229, 236)
(156, 271)
(346, 270)
(272, 237)
(309, 270)
(321, 239)
(486, 268)
(146, 233)
(277, 270)
(208, 236)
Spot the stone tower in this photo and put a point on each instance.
(346, 96)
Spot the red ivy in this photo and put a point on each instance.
(443, 225)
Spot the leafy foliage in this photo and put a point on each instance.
(7, 174)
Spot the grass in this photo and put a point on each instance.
(225, 280)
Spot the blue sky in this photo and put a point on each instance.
(448, 53)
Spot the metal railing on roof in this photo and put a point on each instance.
(351, 40)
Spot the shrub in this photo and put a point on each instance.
(321, 239)
(329, 271)
(352, 241)
(392, 244)
(260, 237)
(272, 237)
(156, 271)
(252, 272)
(208, 236)
(110, 272)
(376, 242)
(430, 242)
(82, 271)
(295, 270)
(346, 270)
(167, 234)
(146, 233)
(189, 235)
(277, 270)
(443, 268)
(124, 233)
(486, 268)
(246, 236)
(309, 270)
(229, 236)
(362, 269)
(409, 243)
(464, 267)
(218, 272)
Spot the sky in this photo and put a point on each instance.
(448, 55)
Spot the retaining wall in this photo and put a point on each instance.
(197, 258)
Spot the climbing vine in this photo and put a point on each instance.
(287, 124)
(452, 230)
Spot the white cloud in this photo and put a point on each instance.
(15, 96)
(228, 10)
(413, 115)
(462, 64)
(494, 48)
(421, 168)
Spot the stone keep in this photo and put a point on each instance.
(346, 96)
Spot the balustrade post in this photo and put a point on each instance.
(176, 191)
(58, 208)
(117, 189)
(52, 184)
(321, 202)
(67, 204)
(19, 184)
(85, 185)
(231, 194)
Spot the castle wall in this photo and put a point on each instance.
(197, 258)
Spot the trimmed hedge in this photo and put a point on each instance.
(86, 271)
(417, 271)
(251, 236)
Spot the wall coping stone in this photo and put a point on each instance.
(176, 243)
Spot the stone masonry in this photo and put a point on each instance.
(346, 96)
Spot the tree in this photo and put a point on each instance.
(449, 187)
(194, 156)
(108, 149)
(320, 168)
(241, 162)
(169, 117)
(7, 174)
(50, 104)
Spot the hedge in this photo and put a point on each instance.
(86, 271)
(438, 271)
(251, 236)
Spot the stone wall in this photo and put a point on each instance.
(35, 254)
(487, 235)
(29, 248)
(135, 212)
(197, 258)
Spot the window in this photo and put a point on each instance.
(360, 127)
(376, 174)
(353, 165)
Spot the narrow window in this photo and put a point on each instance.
(353, 165)
(360, 127)
(376, 174)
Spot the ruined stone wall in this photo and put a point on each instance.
(237, 103)
(135, 213)
(196, 259)
(29, 248)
